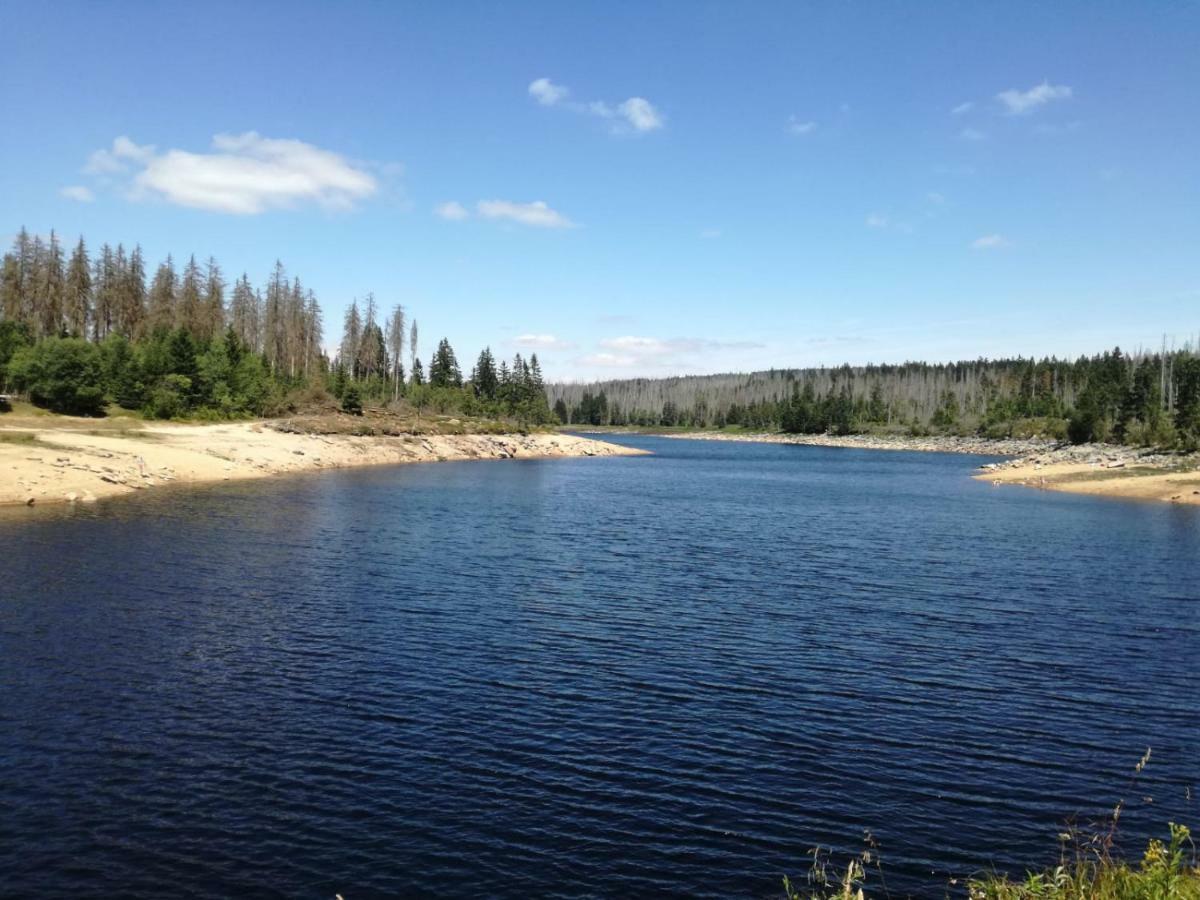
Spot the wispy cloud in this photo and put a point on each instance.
(637, 114)
(798, 126)
(78, 193)
(536, 214)
(245, 174)
(1018, 102)
(972, 134)
(990, 242)
(637, 352)
(963, 108)
(877, 220)
(547, 93)
(542, 342)
(451, 211)
(710, 234)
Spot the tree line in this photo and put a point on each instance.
(1150, 399)
(80, 331)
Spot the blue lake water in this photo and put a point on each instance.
(659, 676)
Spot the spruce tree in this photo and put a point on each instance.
(78, 292)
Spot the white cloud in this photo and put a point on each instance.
(798, 127)
(451, 211)
(877, 220)
(962, 108)
(1021, 102)
(972, 134)
(710, 234)
(636, 114)
(536, 214)
(245, 174)
(542, 342)
(77, 192)
(546, 92)
(609, 360)
(990, 242)
(935, 198)
(119, 157)
(641, 114)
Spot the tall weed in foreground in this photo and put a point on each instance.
(1088, 869)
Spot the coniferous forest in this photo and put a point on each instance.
(1150, 399)
(80, 331)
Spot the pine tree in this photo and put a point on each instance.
(78, 292)
(212, 316)
(484, 378)
(395, 347)
(443, 368)
(132, 315)
(190, 308)
(50, 291)
(161, 313)
(351, 339)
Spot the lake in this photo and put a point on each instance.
(644, 676)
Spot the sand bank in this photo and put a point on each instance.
(62, 459)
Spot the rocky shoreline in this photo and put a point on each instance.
(1131, 473)
(931, 444)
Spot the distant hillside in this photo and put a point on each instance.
(1111, 396)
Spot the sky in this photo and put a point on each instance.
(640, 189)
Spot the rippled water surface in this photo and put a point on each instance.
(669, 675)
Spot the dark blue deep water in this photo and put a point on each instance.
(599, 677)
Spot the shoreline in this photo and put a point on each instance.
(1101, 470)
(56, 460)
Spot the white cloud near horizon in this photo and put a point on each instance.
(78, 193)
(536, 214)
(1020, 102)
(451, 211)
(542, 342)
(643, 353)
(245, 174)
(990, 242)
(963, 108)
(635, 114)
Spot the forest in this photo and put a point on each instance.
(78, 334)
(1147, 399)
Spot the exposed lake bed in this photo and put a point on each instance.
(673, 674)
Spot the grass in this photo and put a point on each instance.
(17, 437)
(1088, 869)
(1167, 871)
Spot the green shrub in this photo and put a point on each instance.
(61, 374)
(351, 401)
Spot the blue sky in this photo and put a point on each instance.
(641, 189)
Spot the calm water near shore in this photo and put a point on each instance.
(667, 675)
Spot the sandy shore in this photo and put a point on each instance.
(62, 459)
(1099, 469)
(1118, 472)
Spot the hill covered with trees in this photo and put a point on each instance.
(1141, 398)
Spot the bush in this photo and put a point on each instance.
(61, 374)
(169, 398)
(351, 401)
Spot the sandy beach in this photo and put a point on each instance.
(61, 459)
